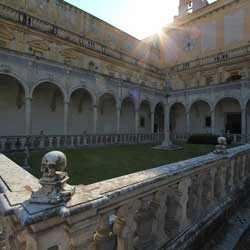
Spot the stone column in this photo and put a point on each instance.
(66, 114)
(213, 121)
(118, 114)
(95, 112)
(136, 120)
(28, 101)
(167, 142)
(152, 121)
(243, 124)
(188, 122)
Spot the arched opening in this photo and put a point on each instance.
(106, 114)
(228, 116)
(159, 118)
(178, 119)
(127, 124)
(200, 118)
(12, 106)
(81, 112)
(47, 109)
(144, 118)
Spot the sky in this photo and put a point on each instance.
(139, 18)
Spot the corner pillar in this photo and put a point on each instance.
(152, 121)
(95, 111)
(188, 122)
(118, 115)
(136, 121)
(243, 124)
(28, 102)
(66, 117)
(213, 121)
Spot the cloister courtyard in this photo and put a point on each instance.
(91, 165)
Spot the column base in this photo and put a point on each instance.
(167, 146)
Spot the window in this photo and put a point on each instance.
(208, 122)
(142, 122)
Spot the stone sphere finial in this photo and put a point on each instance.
(221, 147)
(54, 188)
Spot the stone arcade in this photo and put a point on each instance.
(65, 72)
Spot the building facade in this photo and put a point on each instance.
(64, 71)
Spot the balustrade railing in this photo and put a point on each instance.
(233, 138)
(162, 208)
(19, 143)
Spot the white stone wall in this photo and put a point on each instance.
(81, 117)
(225, 106)
(234, 27)
(146, 115)
(178, 119)
(106, 115)
(208, 35)
(44, 118)
(127, 123)
(12, 107)
(198, 113)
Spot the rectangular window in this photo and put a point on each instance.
(208, 122)
(142, 122)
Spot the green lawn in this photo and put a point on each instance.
(91, 165)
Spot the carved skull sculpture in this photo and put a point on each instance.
(222, 140)
(53, 162)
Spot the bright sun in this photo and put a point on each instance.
(143, 18)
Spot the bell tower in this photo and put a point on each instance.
(188, 6)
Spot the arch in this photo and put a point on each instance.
(199, 100)
(106, 113)
(47, 109)
(19, 79)
(87, 90)
(145, 117)
(200, 117)
(159, 118)
(127, 120)
(47, 80)
(81, 115)
(177, 116)
(12, 106)
(177, 102)
(105, 93)
(219, 98)
(227, 115)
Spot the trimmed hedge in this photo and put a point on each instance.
(203, 139)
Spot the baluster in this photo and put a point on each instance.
(144, 219)
(125, 226)
(85, 140)
(78, 140)
(229, 177)
(159, 204)
(50, 142)
(72, 141)
(193, 204)
(104, 239)
(207, 190)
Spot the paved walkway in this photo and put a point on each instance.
(234, 235)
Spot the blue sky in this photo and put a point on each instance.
(139, 18)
